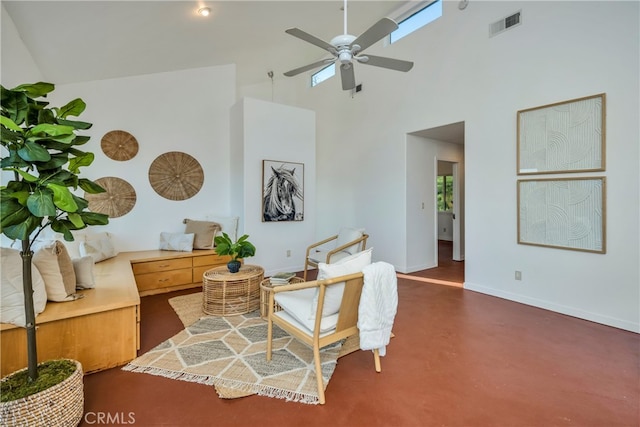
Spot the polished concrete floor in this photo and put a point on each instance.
(459, 359)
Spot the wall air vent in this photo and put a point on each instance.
(506, 23)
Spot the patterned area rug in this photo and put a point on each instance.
(230, 353)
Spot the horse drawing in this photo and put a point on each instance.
(282, 187)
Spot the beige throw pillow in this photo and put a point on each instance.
(204, 231)
(83, 267)
(12, 290)
(99, 247)
(55, 266)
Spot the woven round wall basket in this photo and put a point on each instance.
(176, 176)
(119, 145)
(118, 199)
(60, 405)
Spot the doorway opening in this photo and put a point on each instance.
(436, 169)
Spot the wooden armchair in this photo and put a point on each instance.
(294, 305)
(348, 241)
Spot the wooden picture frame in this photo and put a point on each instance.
(564, 213)
(564, 137)
(282, 191)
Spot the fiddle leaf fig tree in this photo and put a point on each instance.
(40, 148)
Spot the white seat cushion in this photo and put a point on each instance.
(295, 305)
(321, 256)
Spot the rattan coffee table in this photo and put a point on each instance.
(228, 294)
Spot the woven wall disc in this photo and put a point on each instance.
(176, 176)
(118, 199)
(119, 145)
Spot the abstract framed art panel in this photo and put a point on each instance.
(565, 213)
(564, 137)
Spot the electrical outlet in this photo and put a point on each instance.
(288, 253)
(518, 275)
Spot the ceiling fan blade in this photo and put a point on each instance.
(381, 61)
(296, 32)
(376, 32)
(297, 71)
(348, 76)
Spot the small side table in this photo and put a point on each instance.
(228, 294)
(265, 290)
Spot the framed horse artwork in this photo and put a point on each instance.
(282, 191)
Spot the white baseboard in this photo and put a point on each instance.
(558, 308)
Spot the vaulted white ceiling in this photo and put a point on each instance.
(74, 41)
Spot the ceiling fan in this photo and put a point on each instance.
(347, 49)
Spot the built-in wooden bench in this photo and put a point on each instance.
(102, 330)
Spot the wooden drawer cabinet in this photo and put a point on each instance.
(166, 271)
(164, 279)
(159, 266)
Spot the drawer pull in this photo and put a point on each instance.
(164, 265)
(163, 280)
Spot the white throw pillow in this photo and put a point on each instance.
(333, 294)
(176, 241)
(83, 267)
(54, 264)
(98, 246)
(229, 225)
(12, 301)
(347, 235)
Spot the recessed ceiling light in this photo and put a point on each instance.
(204, 11)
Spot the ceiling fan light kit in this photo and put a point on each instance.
(347, 48)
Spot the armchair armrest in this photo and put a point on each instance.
(320, 243)
(361, 241)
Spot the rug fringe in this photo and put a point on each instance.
(267, 391)
(182, 376)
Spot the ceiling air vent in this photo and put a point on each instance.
(505, 23)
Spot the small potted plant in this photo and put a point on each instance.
(242, 248)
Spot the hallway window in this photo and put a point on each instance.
(445, 193)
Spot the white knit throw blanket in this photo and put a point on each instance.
(378, 306)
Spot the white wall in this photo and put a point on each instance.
(268, 131)
(186, 111)
(562, 50)
(23, 68)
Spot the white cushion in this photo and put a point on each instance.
(99, 246)
(73, 247)
(333, 295)
(321, 256)
(12, 301)
(83, 267)
(229, 225)
(55, 265)
(295, 305)
(347, 235)
(176, 241)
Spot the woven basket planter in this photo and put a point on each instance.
(60, 405)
